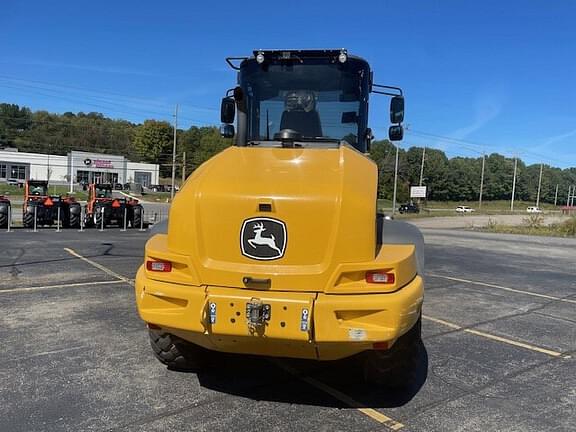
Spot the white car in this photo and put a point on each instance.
(534, 210)
(464, 209)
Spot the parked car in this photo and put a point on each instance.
(464, 209)
(533, 210)
(156, 188)
(409, 208)
(118, 186)
(13, 182)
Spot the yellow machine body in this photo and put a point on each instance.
(320, 305)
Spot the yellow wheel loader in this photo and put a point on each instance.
(274, 246)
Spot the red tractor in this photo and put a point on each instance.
(4, 211)
(46, 209)
(103, 209)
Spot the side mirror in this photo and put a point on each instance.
(397, 109)
(396, 133)
(227, 110)
(227, 131)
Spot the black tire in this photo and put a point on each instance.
(398, 366)
(88, 220)
(177, 353)
(137, 218)
(74, 221)
(97, 218)
(3, 220)
(28, 220)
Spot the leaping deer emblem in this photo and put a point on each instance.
(258, 240)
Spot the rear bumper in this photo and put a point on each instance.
(334, 326)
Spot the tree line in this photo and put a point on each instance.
(454, 179)
(151, 141)
(459, 178)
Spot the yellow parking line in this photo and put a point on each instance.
(338, 395)
(70, 285)
(100, 267)
(496, 338)
(530, 293)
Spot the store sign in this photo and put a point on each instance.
(418, 192)
(87, 162)
(103, 163)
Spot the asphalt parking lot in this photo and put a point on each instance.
(498, 355)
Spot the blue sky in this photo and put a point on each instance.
(492, 75)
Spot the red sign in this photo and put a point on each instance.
(102, 163)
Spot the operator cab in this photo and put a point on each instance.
(304, 98)
(103, 191)
(37, 188)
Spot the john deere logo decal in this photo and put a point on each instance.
(263, 238)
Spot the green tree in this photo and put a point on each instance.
(153, 141)
(209, 144)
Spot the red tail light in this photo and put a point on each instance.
(380, 346)
(380, 277)
(115, 203)
(159, 266)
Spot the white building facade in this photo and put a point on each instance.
(78, 166)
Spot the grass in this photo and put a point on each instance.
(534, 225)
(156, 197)
(15, 191)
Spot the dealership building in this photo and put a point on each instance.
(84, 167)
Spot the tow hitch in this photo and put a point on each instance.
(257, 313)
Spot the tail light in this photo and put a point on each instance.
(159, 266)
(380, 277)
(380, 346)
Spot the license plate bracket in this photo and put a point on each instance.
(257, 312)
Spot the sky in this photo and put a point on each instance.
(488, 76)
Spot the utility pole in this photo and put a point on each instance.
(422, 165)
(395, 183)
(556, 196)
(514, 185)
(481, 182)
(48, 165)
(183, 167)
(71, 173)
(539, 185)
(174, 153)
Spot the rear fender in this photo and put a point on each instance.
(397, 232)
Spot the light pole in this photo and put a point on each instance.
(422, 165)
(395, 182)
(514, 185)
(539, 185)
(556, 195)
(174, 153)
(481, 182)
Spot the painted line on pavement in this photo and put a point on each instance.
(496, 338)
(100, 267)
(338, 395)
(530, 293)
(70, 285)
